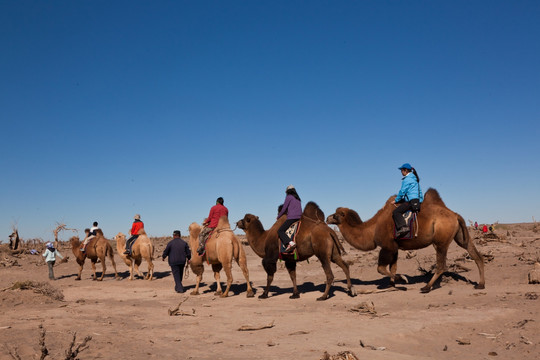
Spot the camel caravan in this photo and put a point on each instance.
(297, 235)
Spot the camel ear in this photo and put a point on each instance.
(257, 218)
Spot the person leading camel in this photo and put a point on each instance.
(210, 223)
(135, 228)
(293, 208)
(409, 197)
(178, 252)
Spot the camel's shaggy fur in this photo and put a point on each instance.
(142, 249)
(437, 226)
(314, 238)
(221, 248)
(98, 248)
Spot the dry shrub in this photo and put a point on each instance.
(344, 355)
(42, 288)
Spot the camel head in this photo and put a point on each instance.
(120, 237)
(246, 221)
(75, 241)
(342, 215)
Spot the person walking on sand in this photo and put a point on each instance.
(179, 253)
(50, 255)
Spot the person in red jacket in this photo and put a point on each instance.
(135, 228)
(211, 222)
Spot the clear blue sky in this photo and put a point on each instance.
(111, 108)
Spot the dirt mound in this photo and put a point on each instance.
(39, 292)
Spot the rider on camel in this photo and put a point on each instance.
(409, 197)
(210, 223)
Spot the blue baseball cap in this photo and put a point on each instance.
(405, 166)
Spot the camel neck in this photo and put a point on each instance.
(256, 241)
(361, 236)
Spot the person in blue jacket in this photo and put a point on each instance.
(409, 197)
(178, 252)
(293, 208)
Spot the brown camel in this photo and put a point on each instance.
(142, 248)
(221, 248)
(437, 226)
(98, 248)
(314, 238)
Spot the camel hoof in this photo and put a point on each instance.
(295, 296)
(100, 279)
(401, 279)
(223, 295)
(479, 286)
(322, 298)
(77, 279)
(195, 293)
(425, 289)
(217, 293)
(352, 292)
(263, 296)
(250, 294)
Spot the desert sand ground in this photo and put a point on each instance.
(130, 319)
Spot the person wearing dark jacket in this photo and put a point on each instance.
(179, 253)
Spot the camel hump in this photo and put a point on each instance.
(433, 196)
(313, 210)
(99, 232)
(223, 223)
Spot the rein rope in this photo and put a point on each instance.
(186, 272)
(316, 221)
(218, 231)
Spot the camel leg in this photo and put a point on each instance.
(291, 267)
(475, 255)
(94, 277)
(150, 274)
(439, 269)
(228, 273)
(270, 267)
(103, 268)
(217, 268)
(137, 264)
(132, 264)
(197, 270)
(387, 257)
(80, 271)
(243, 265)
(329, 278)
(338, 260)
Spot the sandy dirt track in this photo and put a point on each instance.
(130, 319)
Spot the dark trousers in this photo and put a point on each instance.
(178, 272)
(130, 242)
(405, 206)
(285, 240)
(50, 264)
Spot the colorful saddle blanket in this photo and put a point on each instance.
(412, 223)
(291, 233)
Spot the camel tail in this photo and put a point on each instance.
(341, 249)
